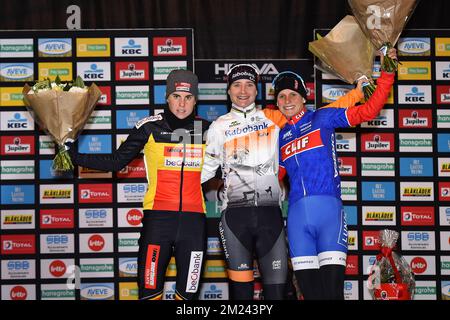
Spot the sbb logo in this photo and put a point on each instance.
(96, 214)
(57, 239)
(57, 268)
(132, 188)
(96, 243)
(18, 293)
(418, 236)
(134, 217)
(418, 265)
(18, 265)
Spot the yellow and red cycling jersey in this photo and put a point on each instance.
(173, 161)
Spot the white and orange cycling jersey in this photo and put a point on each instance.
(245, 145)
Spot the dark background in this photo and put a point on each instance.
(223, 29)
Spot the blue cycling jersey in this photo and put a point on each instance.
(308, 152)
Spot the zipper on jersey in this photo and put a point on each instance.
(182, 176)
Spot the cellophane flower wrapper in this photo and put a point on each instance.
(383, 21)
(62, 115)
(346, 53)
(391, 277)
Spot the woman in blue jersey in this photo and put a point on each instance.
(317, 231)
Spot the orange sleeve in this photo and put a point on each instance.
(276, 116)
(349, 100)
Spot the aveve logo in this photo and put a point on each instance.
(18, 293)
(57, 268)
(134, 217)
(96, 243)
(419, 265)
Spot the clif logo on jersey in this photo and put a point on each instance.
(306, 142)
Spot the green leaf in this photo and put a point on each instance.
(79, 82)
(58, 80)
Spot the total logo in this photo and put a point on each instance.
(418, 265)
(18, 293)
(57, 268)
(134, 217)
(96, 242)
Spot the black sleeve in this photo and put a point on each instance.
(119, 158)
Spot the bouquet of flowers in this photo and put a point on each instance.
(391, 277)
(383, 22)
(61, 110)
(346, 53)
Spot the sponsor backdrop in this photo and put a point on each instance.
(74, 236)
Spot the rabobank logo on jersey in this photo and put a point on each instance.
(55, 47)
(95, 143)
(21, 71)
(331, 93)
(414, 47)
(246, 130)
(414, 94)
(94, 71)
(127, 119)
(131, 47)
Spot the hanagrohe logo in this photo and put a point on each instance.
(95, 193)
(136, 70)
(16, 48)
(173, 46)
(417, 216)
(416, 191)
(415, 142)
(415, 118)
(17, 145)
(377, 142)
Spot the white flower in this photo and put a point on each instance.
(78, 89)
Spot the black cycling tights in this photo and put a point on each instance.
(326, 283)
(244, 291)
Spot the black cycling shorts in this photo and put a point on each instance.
(167, 233)
(248, 230)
